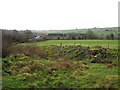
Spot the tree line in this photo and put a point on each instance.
(77, 36)
(10, 37)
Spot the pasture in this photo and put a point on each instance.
(89, 43)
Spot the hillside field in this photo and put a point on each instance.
(98, 31)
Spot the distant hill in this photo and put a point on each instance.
(98, 31)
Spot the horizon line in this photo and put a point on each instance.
(57, 29)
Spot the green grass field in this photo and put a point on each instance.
(90, 43)
(49, 64)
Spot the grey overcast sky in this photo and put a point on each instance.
(57, 14)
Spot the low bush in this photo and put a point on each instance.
(28, 50)
(60, 66)
(79, 72)
(109, 81)
(113, 64)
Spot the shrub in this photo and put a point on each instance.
(80, 65)
(6, 64)
(79, 72)
(35, 65)
(65, 65)
(109, 65)
(28, 50)
(25, 69)
(21, 64)
(109, 81)
(113, 64)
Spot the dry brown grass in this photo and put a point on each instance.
(114, 64)
(81, 65)
(25, 69)
(65, 65)
(28, 50)
(35, 64)
(79, 72)
(108, 82)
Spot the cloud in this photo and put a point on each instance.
(58, 14)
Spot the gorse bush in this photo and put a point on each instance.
(28, 50)
(65, 53)
(6, 64)
(25, 69)
(113, 64)
(109, 81)
(79, 72)
(29, 66)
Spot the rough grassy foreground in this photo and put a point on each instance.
(60, 66)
